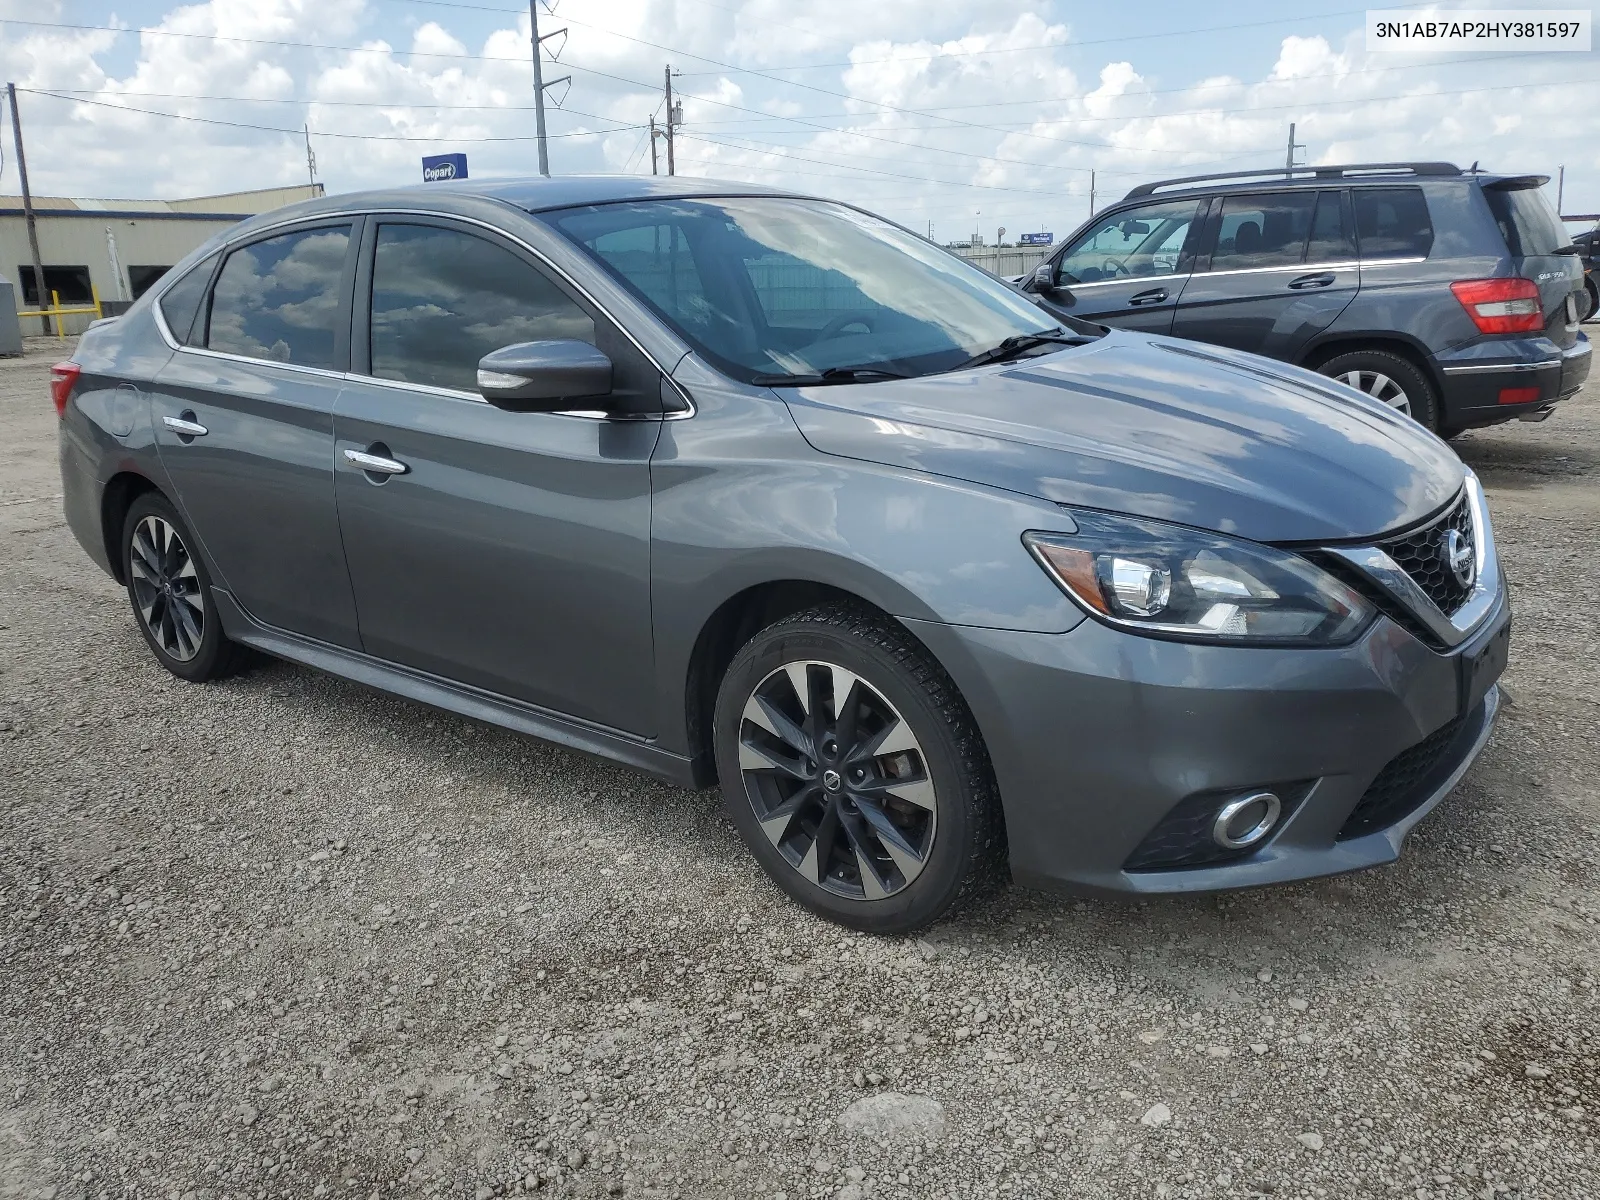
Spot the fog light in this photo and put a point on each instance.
(1246, 820)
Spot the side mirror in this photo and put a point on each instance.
(1044, 277)
(550, 376)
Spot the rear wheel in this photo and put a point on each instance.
(1589, 302)
(171, 593)
(1389, 379)
(855, 773)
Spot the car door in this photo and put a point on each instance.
(243, 416)
(1128, 267)
(1275, 269)
(507, 550)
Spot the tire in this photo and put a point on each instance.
(1590, 301)
(1411, 391)
(170, 591)
(897, 856)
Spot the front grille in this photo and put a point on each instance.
(1421, 554)
(1402, 784)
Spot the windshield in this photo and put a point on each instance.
(766, 288)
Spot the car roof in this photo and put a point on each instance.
(1314, 176)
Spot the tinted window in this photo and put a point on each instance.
(1131, 244)
(1393, 223)
(182, 300)
(1526, 220)
(142, 279)
(1330, 240)
(278, 299)
(442, 299)
(1263, 231)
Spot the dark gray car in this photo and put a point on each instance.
(1454, 296)
(733, 485)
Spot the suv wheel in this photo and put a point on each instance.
(855, 773)
(171, 593)
(1387, 378)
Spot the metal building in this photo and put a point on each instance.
(112, 250)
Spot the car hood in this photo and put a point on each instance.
(1153, 427)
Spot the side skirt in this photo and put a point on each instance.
(480, 705)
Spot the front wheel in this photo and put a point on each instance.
(171, 593)
(855, 773)
(1389, 379)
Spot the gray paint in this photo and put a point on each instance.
(553, 573)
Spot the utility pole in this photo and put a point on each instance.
(1288, 158)
(673, 119)
(311, 161)
(27, 206)
(653, 136)
(539, 84)
(1091, 193)
(1561, 187)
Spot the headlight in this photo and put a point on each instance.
(1170, 581)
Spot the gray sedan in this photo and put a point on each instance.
(744, 487)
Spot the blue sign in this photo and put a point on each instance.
(1036, 239)
(436, 168)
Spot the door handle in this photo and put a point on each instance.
(1312, 281)
(184, 427)
(1153, 296)
(376, 464)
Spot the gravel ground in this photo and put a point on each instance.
(287, 937)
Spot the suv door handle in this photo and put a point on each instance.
(184, 427)
(376, 464)
(1322, 279)
(1153, 296)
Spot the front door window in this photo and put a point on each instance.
(1136, 243)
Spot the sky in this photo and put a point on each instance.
(946, 116)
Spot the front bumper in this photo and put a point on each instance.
(1477, 373)
(1097, 735)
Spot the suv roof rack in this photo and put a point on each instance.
(1303, 174)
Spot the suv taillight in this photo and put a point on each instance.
(63, 378)
(1501, 305)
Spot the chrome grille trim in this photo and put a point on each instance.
(1451, 630)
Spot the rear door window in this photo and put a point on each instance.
(1263, 230)
(1527, 222)
(278, 299)
(1330, 241)
(1393, 223)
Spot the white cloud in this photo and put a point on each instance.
(927, 100)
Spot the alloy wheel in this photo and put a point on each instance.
(166, 588)
(1380, 387)
(838, 780)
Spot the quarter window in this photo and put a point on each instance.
(1131, 244)
(278, 299)
(1263, 231)
(442, 299)
(181, 301)
(1393, 223)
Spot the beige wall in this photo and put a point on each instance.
(81, 241)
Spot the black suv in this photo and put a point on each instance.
(1451, 295)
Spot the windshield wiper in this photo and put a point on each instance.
(1020, 344)
(830, 375)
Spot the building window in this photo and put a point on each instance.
(142, 279)
(70, 283)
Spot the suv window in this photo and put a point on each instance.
(1393, 223)
(1130, 244)
(1330, 241)
(180, 302)
(442, 299)
(1263, 230)
(1526, 220)
(278, 299)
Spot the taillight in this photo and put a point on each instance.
(1501, 305)
(63, 378)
